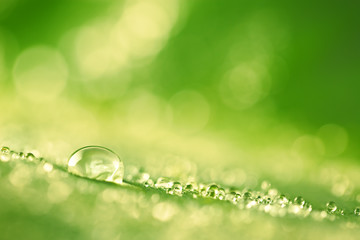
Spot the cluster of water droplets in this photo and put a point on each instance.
(267, 199)
(6, 155)
(102, 164)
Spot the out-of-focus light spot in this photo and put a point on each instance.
(155, 198)
(335, 139)
(48, 167)
(109, 45)
(58, 191)
(96, 56)
(244, 85)
(164, 211)
(40, 73)
(342, 187)
(309, 147)
(109, 87)
(107, 49)
(110, 195)
(147, 19)
(146, 111)
(20, 176)
(191, 111)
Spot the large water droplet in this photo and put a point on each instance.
(98, 163)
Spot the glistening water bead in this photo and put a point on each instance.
(331, 207)
(98, 163)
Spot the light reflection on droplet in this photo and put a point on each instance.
(96, 163)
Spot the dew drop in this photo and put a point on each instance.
(259, 199)
(141, 177)
(30, 157)
(5, 154)
(340, 211)
(202, 190)
(331, 207)
(221, 194)
(163, 183)
(190, 187)
(247, 196)
(176, 189)
(357, 211)
(22, 155)
(98, 163)
(233, 197)
(267, 201)
(149, 183)
(299, 201)
(14, 155)
(282, 200)
(212, 191)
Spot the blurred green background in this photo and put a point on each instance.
(189, 88)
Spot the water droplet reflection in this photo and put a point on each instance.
(96, 163)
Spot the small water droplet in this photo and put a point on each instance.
(149, 183)
(22, 155)
(357, 211)
(30, 157)
(259, 199)
(141, 177)
(340, 211)
(202, 190)
(221, 194)
(308, 207)
(96, 162)
(5, 154)
(331, 207)
(247, 196)
(299, 201)
(233, 197)
(282, 200)
(267, 201)
(212, 191)
(163, 183)
(14, 155)
(190, 187)
(176, 189)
